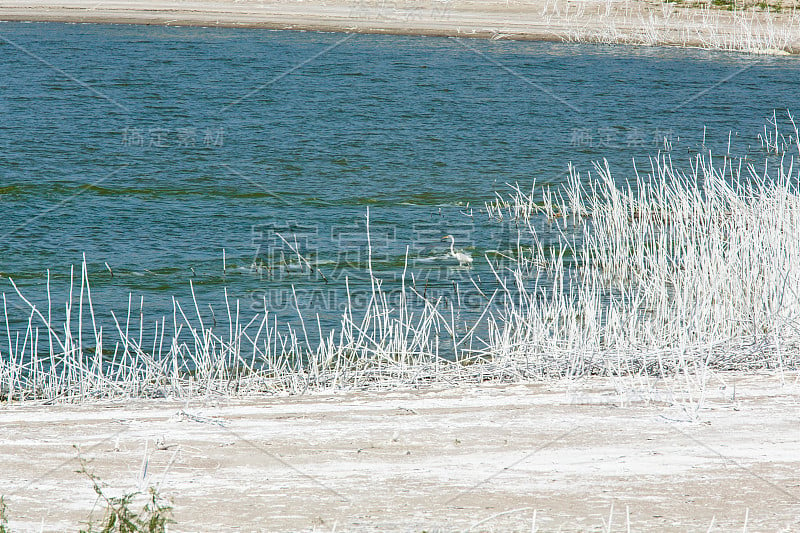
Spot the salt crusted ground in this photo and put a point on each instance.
(466, 458)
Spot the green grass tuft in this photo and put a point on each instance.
(119, 517)
(3, 517)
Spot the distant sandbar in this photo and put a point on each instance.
(628, 21)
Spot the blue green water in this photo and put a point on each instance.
(154, 149)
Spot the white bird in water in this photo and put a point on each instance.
(462, 258)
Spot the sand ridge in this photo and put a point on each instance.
(622, 21)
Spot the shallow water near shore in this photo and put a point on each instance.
(153, 149)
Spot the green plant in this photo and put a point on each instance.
(3, 517)
(120, 518)
(725, 4)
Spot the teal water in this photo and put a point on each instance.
(154, 149)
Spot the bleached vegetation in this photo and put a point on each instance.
(751, 30)
(672, 272)
(668, 273)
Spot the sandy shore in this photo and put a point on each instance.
(618, 21)
(473, 458)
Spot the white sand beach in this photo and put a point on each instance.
(609, 21)
(649, 457)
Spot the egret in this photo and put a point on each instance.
(462, 258)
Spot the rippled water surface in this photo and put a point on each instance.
(154, 149)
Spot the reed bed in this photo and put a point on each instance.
(752, 30)
(674, 272)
